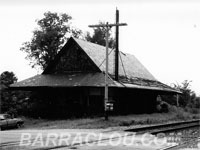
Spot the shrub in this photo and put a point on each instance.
(163, 107)
(180, 113)
(192, 110)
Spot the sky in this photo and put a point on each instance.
(163, 34)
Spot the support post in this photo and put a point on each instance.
(0, 101)
(177, 100)
(107, 26)
(106, 75)
(117, 47)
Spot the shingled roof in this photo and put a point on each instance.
(129, 65)
(132, 74)
(66, 80)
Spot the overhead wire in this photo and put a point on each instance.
(123, 65)
(105, 58)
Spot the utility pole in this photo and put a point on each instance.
(117, 47)
(0, 100)
(107, 26)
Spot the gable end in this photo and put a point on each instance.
(71, 58)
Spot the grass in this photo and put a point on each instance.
(175, 114)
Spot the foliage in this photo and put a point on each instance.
(7, 78)
(163, 107)
(99, 36)
(53, 30)
(7, 97)
(12, 102)
(170, 99)
(186, 96)
(187, 99)
(180, 113)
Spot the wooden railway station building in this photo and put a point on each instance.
(74, 82)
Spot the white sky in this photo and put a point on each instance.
(163, 35)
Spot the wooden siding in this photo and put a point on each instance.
(73, 60)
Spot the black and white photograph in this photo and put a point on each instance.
(100, 75)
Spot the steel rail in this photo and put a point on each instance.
(181, 145)
(162, 128)
(166, 127)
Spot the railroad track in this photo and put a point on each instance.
(182, 145)
(154, 129)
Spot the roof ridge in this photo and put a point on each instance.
(101, 46)
(133, 66)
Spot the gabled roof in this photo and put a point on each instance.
(132, 74)
(66, 80)
(129, 65)
(68, 53)
(88, 80)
